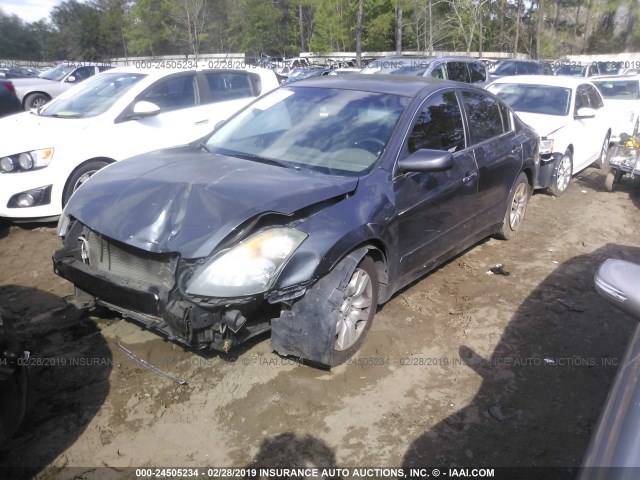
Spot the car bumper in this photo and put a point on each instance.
(546, 172)
(161, 306)
(12, 184)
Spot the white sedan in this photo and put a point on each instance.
(570, 117)
(621, 95)
(46, 154)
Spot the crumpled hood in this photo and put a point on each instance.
(26, 131)
(187, 201)
(544, 125)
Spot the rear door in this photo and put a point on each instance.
(458, 71)
(497, 153)
(434, 208)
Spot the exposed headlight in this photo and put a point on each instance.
(248, 268)
(25, 161)
(546, 146)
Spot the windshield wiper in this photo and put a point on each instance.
(256, 158)
(58, 115)
(202, 146)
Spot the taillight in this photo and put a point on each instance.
(9, 86)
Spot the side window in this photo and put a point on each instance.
(173, 93)
(484, 117)
(582, 100)
(478, 72)
(458, 71)
(506, 117)
(438, 72)
(83, 73)
(594, 98)
(230, 85)
(439, 125)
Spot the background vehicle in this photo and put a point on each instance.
(459, 69)
(621, 96)
(503, 68)
(13, 381)
(307, 72)
(9, 103)
(573, 69)
(624, 159)
(35, 92)
(301, 214)
(18, 72)
(568, 114)
(615, 440)
(45, 156)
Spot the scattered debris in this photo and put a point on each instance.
(571, 305)
(146, 364)
(498, 270)
(496, 412)
(583, 191)
(556, 262)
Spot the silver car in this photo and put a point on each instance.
(35, 92)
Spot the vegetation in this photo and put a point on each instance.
(103, 29)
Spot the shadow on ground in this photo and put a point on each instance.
(69, 369)
(560, 349)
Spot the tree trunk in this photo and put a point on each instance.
(480, 33)
(301, 23)
(587, 26)
(539, 29)
(430, 46)
(515, 43)
(399, 29)
(359, 35)
(628, 33)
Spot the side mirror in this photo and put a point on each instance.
(71, 79)
(426, 160)
(617, 282)
(585, 112)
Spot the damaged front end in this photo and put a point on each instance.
(211, 303)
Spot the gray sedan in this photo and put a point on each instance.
(35, 92)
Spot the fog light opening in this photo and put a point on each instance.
(26, 200)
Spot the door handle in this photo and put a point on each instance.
(515, 150)
(469, 176)
(202, 122)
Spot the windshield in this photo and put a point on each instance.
(544, 99)
(618, 89)
(93, 97)
(340, 132)
(57, 73)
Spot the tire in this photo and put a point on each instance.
(562, 176)
(35, 100)
(516, 208)
(79, 176)
(601, 161)
(609, 180)
(355, 315)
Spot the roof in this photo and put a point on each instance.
(555, 81)
(406, 85)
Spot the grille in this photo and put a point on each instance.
(131, 264)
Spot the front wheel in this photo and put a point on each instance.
(355, 315)
(79, 176)
(562, 177)
(516, 208)
(35, 100)
(613, 176)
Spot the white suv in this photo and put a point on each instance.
(46, 155)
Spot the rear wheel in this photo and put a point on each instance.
(613, 177)
(516, 208)
(562, 177)
(599, 163)
(79, 176)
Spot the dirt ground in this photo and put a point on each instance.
(461, 368)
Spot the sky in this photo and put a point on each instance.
(29, 10)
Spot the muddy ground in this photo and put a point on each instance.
(462, 368)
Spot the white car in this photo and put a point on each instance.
(570, 117)
(46, 155)
(621, 95)
(34, 92)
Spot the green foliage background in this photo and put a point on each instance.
(103, 29)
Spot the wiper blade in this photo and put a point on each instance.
(257, 158)
(202, 146)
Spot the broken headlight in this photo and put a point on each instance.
(546, 146)
(248, 268)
